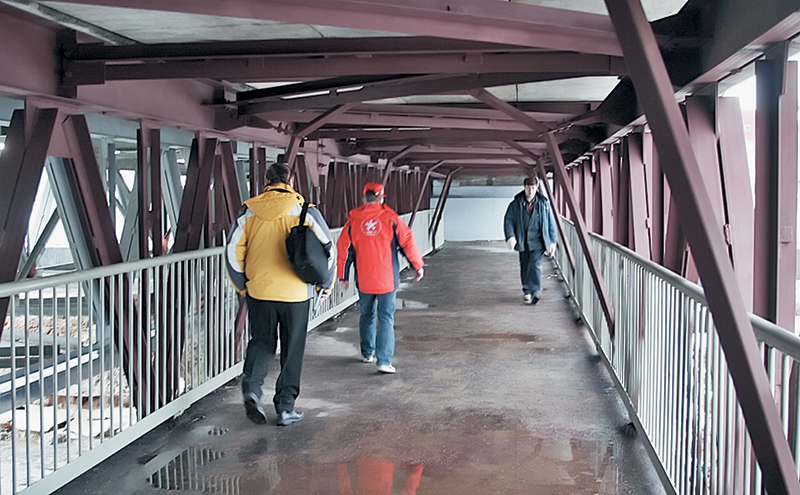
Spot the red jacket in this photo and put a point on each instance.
(369, 241)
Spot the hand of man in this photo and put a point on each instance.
(511, 242)
(325, 294)
(552, 250)
(420, 274)
(345, 284)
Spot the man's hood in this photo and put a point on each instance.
(276, 201)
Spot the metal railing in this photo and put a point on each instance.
(667, 358)
(70, 398)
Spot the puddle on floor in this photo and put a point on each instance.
(521, 337)
(409, 304)
(183, 473)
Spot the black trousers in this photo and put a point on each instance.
(268, 319)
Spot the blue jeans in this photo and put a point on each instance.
(530, 268)
(380, 343)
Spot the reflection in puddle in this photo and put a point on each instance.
(364, 476)
(407, 304)
(183, 473)
(477, 454)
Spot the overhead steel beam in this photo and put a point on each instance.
(510, 110)
(412, 86)
(441, 136)
(734, 43)
(280, 67)
(680, 165)
(478, 20)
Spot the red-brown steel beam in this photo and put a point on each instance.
(148, 165)
(135, 349)
(422, 192)
(587, 199)
(194, 202)
(738, 193)
(230, 185)
(639, 213)
(258, 169)
(776, 190)
(700, 122)
(583, 235)
(724, 300)
(606, 192)
(21, 165)
(622, 195)
(439, 211)
(559, 224)
(655, 192)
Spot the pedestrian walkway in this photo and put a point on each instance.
(490, 397)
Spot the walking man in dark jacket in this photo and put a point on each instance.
(530, 228)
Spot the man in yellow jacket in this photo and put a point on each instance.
(278, 302)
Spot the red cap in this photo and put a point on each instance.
(375, 188)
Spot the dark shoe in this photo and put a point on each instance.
(255, 411)
(536, 296)
(286, 418)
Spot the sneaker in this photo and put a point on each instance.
(370, 359)
(527, 299)
(536, 296)
(286, 418)
(386, 368)
(254, 409)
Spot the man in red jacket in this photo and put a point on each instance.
(369, 242)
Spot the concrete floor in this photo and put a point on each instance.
(490, 397)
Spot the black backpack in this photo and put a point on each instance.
(308, 256)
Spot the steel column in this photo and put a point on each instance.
(194, 203)
(21, 164)
(583, 235)
(230, 184)
(564, 244)
(105, 250)
(588, 188)
(655, 190)
(656, 94)
(776, 188)
(439, 212)
(148, 173)
(606, 195)
(258, 167)
(639, 212)
(622, 195)
(422, 191)
(738, 193)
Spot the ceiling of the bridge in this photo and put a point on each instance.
(387, 77)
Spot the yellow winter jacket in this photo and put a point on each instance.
(256, 254)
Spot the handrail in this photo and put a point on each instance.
(766, 331)
(666, 359)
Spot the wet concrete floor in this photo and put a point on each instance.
(490, 397)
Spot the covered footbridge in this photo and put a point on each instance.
(667, 135)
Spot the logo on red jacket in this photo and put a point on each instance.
(371, 227)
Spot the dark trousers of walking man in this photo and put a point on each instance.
(268, 320)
